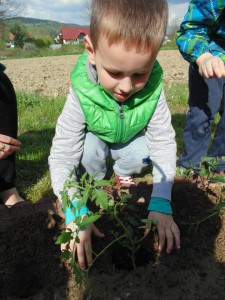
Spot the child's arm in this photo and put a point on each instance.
(160, 138)
(67, 145)
(210, 66)
(66, 152)
(197, 32)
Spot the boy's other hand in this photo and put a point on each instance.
(168, 231)
(83, 250)
(210, 66)
(8, 145)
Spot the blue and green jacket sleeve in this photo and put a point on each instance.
(202, 30)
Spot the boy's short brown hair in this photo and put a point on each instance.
(137, 23)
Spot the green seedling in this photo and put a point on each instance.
(207, 177)
(88, 189)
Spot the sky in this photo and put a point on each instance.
(76, 11)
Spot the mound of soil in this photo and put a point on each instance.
(30, 265)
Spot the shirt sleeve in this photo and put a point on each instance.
(67, 145)
(194, 37)
(160, 138)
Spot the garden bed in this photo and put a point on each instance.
(30, 265)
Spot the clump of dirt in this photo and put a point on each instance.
(30, 265)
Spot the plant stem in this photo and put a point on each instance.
(108, 246)
(206, 218)
(130, 239)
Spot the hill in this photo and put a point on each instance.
(38, 27)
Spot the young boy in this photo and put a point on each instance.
(201, 41)
(117, 107)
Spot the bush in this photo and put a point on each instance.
(29, 47)
(39, 43)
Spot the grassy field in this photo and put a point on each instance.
(16, 53)
(37, 119)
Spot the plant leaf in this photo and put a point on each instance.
(64, 237)
(218, 178)
(100, 198)
(111, 203)
(102, 183)
(203, 173)
(66, 254)
(219, 206)
(85, 195)
(87, 220)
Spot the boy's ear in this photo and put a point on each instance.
(90, 49)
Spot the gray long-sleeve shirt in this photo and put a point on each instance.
(67, 146)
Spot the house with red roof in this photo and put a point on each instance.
(10, 43)
(73, 34)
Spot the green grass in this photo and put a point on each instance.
(170, 45)
(177, 98)
(37, 118)
(16, 53)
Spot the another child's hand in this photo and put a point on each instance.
(210, 66)
(168, 232)
(83, 249)
(8, 145)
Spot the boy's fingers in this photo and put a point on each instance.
(97, 232)
(9, 140)
(161, 234)
(176, 234)
(222, 71)
(169, 240)
(81, 256)
(88, 251)
(63, 247)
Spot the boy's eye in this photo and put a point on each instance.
(118, 74)
(137, 75)
(113, 73)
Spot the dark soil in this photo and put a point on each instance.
(30, 265)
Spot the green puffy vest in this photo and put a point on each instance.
(107, 119)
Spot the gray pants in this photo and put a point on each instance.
(128, 157)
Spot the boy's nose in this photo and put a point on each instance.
(126, 85)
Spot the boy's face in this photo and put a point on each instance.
(121, 72)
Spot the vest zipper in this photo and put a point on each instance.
(121, 113)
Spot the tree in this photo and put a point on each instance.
(174, 26)
(20, 35)
(10, 9)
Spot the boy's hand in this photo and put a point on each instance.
(83, 249)
(8, 145)
(168, 232)
(210, 66)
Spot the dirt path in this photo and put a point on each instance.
(50, 75)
